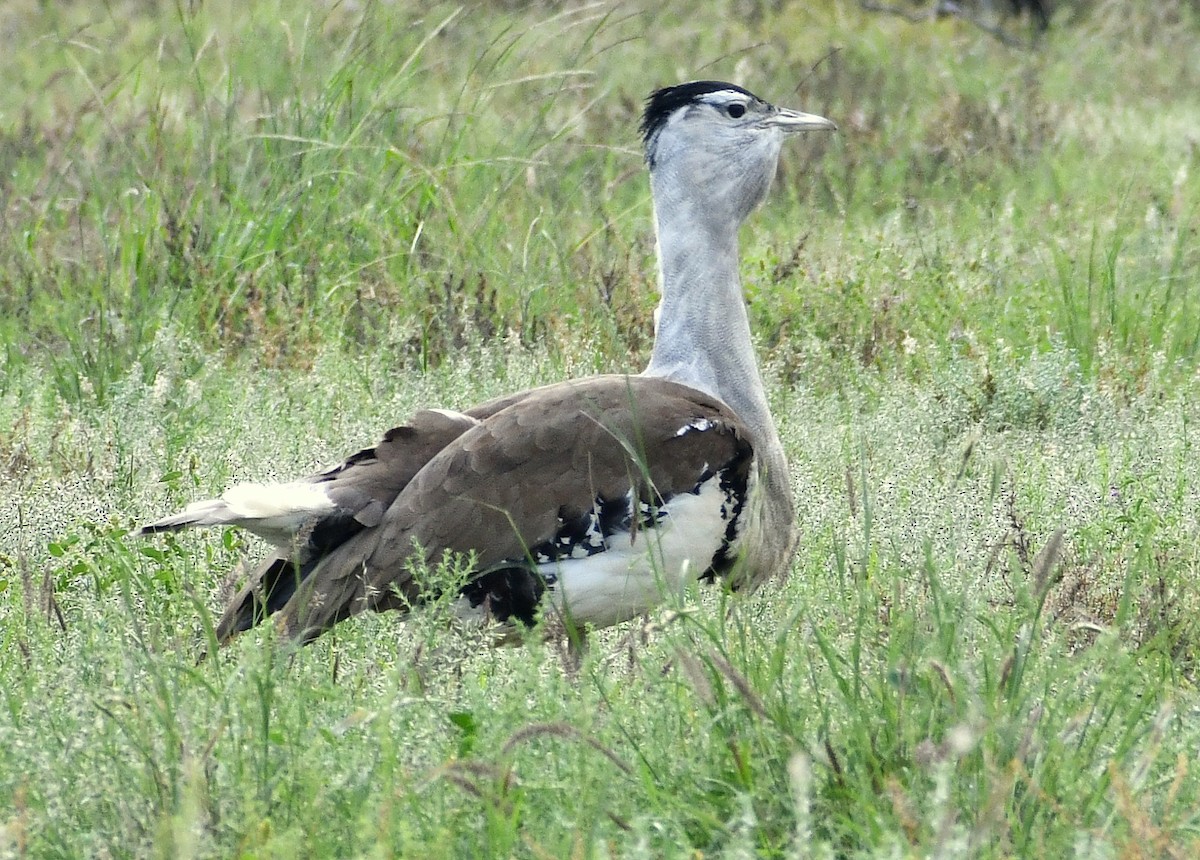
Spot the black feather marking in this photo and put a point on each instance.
(735, 483)
(613, 515)
(579, 535)
(662, 103)
(511, 593)
(330, 532)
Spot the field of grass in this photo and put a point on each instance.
(240, 239)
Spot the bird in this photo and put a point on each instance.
(584, 502)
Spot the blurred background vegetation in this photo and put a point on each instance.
(406, 179)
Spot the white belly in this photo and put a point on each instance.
(638, 570)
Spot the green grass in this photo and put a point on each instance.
(239, 240)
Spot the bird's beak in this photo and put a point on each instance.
(794, 120)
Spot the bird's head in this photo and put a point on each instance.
(718, 142)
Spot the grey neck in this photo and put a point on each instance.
(702, 333)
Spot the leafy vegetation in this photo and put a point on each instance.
(240, 239)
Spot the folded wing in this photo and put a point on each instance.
(520, 491)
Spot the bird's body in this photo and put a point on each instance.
(588, 499)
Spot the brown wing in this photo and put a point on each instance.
(502, 487)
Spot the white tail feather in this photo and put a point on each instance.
(274, 512)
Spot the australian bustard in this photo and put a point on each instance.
(587, 499)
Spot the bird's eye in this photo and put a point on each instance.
(736, 110)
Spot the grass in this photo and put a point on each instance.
(239, 240)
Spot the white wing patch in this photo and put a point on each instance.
(698, 425)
